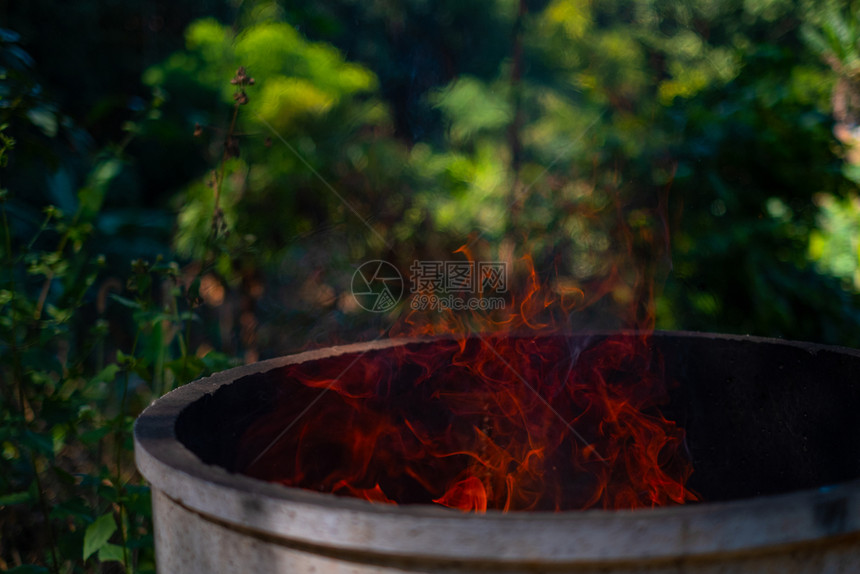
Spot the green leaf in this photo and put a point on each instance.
(472, 106)
(58, 438)
(106, 375)
(93, 436)
(215, 361)
(45, 119)
(138, 500)
(142, 371)
(43, 361)
(110, 552)
(76, 510)
(92, 195)
(15, 498)
(108, 492)
(186, 369)
(64, 477)
(125, 302)
(98, 533)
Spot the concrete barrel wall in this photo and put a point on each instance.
(210, 520)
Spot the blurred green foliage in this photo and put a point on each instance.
(690, 163)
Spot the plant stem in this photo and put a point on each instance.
(119, 449)
(43, 504)
(18, 381)
(186, 343)
(219, 180)
(16, 365)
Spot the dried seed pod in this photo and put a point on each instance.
(242, 78)
(241, 97)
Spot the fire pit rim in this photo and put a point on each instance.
(299, 516)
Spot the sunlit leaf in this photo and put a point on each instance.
(98, 533)
(110, 552)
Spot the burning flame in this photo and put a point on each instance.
(501, 421)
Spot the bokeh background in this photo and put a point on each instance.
(680, 164)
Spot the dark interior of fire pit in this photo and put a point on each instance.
(761, 417)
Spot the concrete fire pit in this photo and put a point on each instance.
(773, 430)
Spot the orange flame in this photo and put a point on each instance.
(516, 416)
(489, 422)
